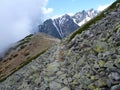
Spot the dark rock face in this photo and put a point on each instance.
(49, 28)
(59, 27)
(65, 25)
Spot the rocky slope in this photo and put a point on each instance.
(23, 52)
(89, 61)
(65, 25)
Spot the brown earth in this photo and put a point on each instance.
(23, 52)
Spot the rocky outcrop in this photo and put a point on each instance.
(90, 61)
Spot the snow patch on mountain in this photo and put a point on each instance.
(67, 24)
(57, 28)
(82, 17)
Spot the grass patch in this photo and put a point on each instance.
(92, 21)
(22, 43)
(26, 37)
(25, 40)
(23, 64)
(29, 36)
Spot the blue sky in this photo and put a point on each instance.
(59, 7)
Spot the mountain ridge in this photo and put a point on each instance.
(66, 24)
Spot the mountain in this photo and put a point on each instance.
(82, 17)
(88, 59)
(65, 25)
(59, 27)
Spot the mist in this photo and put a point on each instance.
(19, 18)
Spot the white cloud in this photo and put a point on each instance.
(102, 7)
(60, 15)
(47, 10)
(18, 18)
(56, 16)
(71, 14)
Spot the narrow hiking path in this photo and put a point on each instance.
(32, 74)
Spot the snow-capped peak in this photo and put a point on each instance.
(82, 17)
(66, 24)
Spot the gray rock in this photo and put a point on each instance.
(96, 66)
(54, 86)
(115, 76)
(65, 88)
(115, 87)
(69, 79)
(52, 68)
(65, 81)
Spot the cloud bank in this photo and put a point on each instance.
(102, 7)
(19, 18)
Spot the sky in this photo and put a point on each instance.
(19, 18)
(60, 7)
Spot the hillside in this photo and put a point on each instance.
(89, 59)
(23, 52)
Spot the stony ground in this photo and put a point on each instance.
(90, 61)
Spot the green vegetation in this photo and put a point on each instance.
(15, 55)
(22, 47)
(25, 40)
(26, 54)
(21, 43)
(117, 28)
(30, 59)
(26, 37)
(92, 21)
(23, 64)
(29, 36)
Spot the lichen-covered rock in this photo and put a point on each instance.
(115, 76)
(52, 68)
(115, 87)
(65, 88)
(54, 85)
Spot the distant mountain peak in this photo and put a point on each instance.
(82, 17)
(66, 24)
(66, 15)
